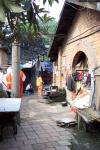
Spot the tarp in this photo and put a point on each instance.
(29, 64)
(83, 102)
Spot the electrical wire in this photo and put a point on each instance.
(63, 35)
(70, 41)
(74, 6)
(85, 32)
(84, 37)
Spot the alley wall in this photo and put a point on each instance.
(83, 36)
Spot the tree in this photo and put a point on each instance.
(48, 30)
(22, 12)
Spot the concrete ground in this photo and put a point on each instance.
(38, 130)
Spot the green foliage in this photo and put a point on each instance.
(24, 25)
(62, 91)
(48, 29)
(46, 18)
(9, 6)
(1, 32)
(26, 32)
(59, 96)
(50, 1)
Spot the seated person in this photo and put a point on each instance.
(29, 89)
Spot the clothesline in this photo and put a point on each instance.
(82, 69)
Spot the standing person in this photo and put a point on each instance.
(3, 87)
(39, 84)
(22, 79)
(9, 81)
(9, 78)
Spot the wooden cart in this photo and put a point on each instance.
(9, 113)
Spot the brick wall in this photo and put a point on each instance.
(90, 45)
(85, 19)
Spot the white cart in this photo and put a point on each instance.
(9, 113)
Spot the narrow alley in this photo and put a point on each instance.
(51, 47)
(38, 130)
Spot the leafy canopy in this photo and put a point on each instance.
(22, 16)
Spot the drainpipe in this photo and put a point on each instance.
(15, 69)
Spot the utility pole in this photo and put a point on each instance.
(16, 69)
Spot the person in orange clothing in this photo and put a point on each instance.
(9, 78)
(22, 79)
(39, 84)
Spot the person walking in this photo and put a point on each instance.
(39, 84)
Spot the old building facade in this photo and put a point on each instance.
(80, 46)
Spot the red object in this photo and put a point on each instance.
(21, 83)
(9, 82)
(74, 109)
(80, 76)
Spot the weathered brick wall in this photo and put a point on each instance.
(85, 19)
(90, 45)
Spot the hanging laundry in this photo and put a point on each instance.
(80, 76)
(70, 84)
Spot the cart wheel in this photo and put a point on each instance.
(18, 118)
(15, 128)
(1, 133)
(1, 137)
(15, 125)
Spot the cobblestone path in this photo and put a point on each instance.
(38, 130)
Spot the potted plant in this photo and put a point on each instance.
(60, 96)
